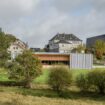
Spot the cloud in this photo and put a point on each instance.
(14, 9)
(98, 5)
(36, 21)
(67, 5)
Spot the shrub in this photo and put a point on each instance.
(60, 78)
(82, 82)
(96, 79)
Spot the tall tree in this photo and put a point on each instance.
(5, 41)
(99, 48)
(26, 68)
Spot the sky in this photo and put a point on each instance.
(37, 21)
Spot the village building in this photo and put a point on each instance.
(63, 43)
(16, 48)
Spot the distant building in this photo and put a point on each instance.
(91, 41)
(17, 48)
(63, 43)
(35, 49)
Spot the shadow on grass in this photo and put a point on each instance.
(66, 94)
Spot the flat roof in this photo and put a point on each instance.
(52, 53)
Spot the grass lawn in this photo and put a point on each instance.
(42, 79)
(3, 75)
(21, 96)
(41, 94)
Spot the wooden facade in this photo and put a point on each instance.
(73, 61)
(53, 57)
(50, 59)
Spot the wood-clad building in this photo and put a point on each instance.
(72, 60)
(53, 58)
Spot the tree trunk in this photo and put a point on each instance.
(28, 84)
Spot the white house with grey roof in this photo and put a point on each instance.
(63, 43)
(16, 48)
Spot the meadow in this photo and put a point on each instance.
(42, 94)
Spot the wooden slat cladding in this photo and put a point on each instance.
(51, 57)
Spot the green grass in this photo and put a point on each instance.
(42, 79)
(41, 94)
(73, 94)
(21, 96)
(3, 75)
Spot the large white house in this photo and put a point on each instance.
(16, 48)
(63, 43)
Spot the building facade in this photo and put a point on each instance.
(63, 43)
(17, 48)
(71, 60)
(91, 41)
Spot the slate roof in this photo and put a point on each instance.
(64, 36)
(63, 41)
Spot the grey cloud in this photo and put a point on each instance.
(36, 22)
(98, 5)
(68, 5)
(14, 9)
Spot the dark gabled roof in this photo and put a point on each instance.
(64, 36)
(63, 41)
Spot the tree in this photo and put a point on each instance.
(99, 49)
(60, 78)
(26, 68)
(80, 48)
(5, 40)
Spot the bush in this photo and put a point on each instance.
(82, 82)
(59, 78)
(96, 79)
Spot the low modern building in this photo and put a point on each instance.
(63, 43)
(17, 48)
(72, 60)
(91, 41)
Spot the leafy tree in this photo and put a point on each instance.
(25, 68)
(81, 48)
(5, 40)
(99, 48)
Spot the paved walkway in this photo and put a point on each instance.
(98, 66)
